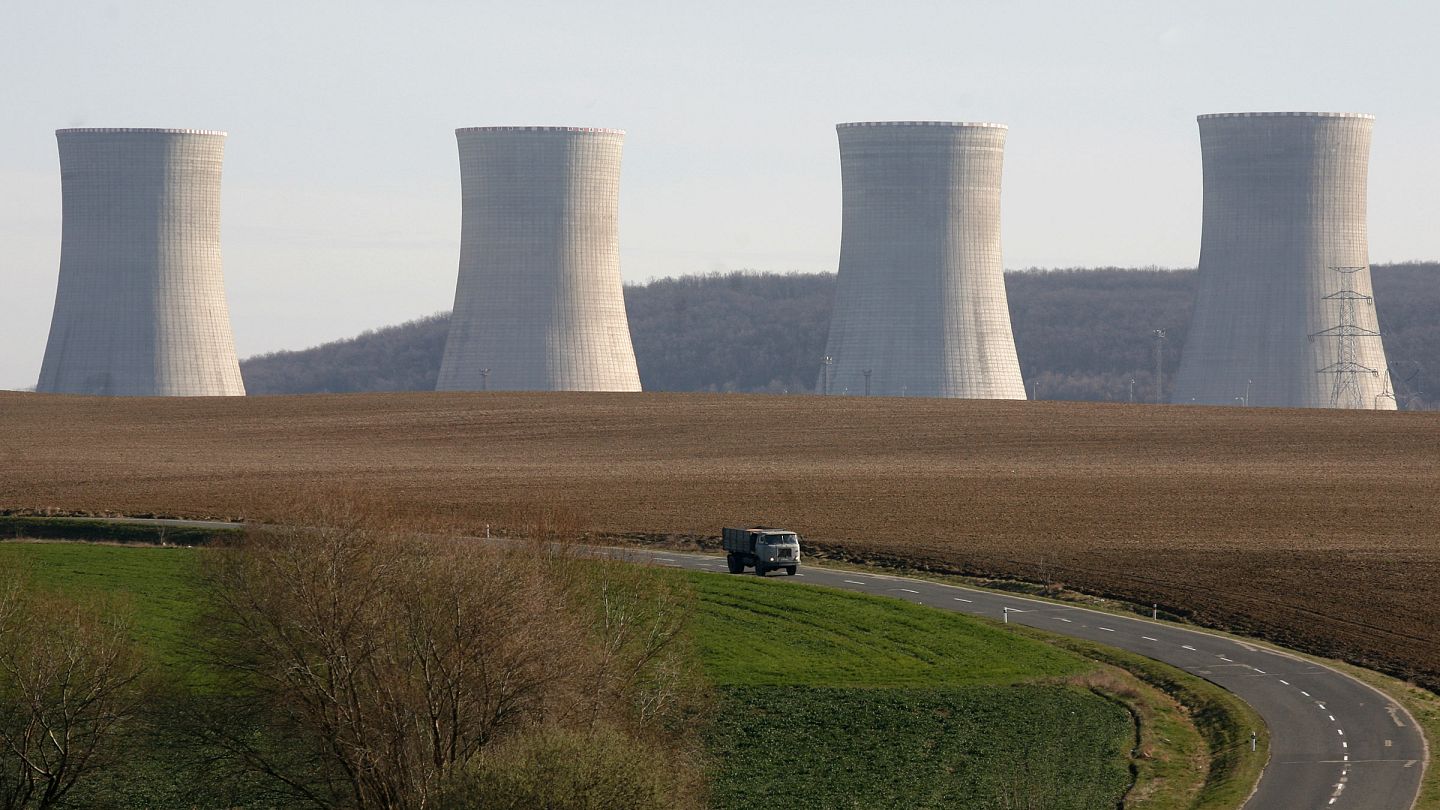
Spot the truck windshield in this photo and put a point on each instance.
(780, 539)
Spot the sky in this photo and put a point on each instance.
(341, 195)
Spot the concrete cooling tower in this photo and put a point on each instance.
(539, 304)
(920, 305)
(1284, 315)
(140, 308)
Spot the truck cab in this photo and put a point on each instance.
(763, 548)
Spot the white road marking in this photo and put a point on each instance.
(1259, 670)
(958, 599)
(1332, 717)
(906, 590)
(1106, 629)
(853, 582)
(1187, 646)
(1282, 680)
(1303, 692)
(1065, 620)
(1147, 638)
(664, 559)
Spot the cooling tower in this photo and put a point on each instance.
(920, 305)
(140, 308)
(1274, 323)
(539, 304)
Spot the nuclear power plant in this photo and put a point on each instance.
(140, 308)
(920, 305)
(1284, 315)
(539, 304)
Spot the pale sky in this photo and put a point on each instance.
(341, 186)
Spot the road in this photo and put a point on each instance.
(1334, 742)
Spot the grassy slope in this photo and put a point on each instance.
(832, 699)
(154, 583)
(883, 701)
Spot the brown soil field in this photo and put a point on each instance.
(1316, 529)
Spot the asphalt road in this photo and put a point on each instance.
(1334, 742)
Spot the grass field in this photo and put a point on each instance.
(155, 585)
(831, 699)
(824, 698)
(1315, 529)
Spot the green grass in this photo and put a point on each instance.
(157, 585)
(968, 746)
(834, 699)
(825, 698)
(753, 631)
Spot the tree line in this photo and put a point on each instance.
(1081, 334)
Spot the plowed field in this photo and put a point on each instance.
(1320, 529)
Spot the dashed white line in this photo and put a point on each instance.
(1303, 692)
(1282, 680)
(1188, 647)
(853, 582)
(1259, 670)
(958, 599)
(1067, 621)
(1106, 629)
(1147, 638)
(1332, 717)
(906, 590)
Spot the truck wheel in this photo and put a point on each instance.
(761, 570)
(790, 570)
(734, 563)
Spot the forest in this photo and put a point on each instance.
(1081, 334)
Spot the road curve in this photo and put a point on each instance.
(1334, 741)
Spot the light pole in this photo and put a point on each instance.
(1247, 392)
(484, 379)
(866, 372)
(1132, 390)
(1159, 365)
(825, 384)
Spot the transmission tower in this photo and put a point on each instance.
(1347, 369)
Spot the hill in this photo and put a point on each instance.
(959, 712)
(1312, 528)
(1082, 334)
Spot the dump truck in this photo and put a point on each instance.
(764, 548)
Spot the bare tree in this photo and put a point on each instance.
(392, 659)
(69, 682)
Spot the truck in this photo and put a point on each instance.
(764, 548)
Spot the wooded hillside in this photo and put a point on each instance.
(1082, 334)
